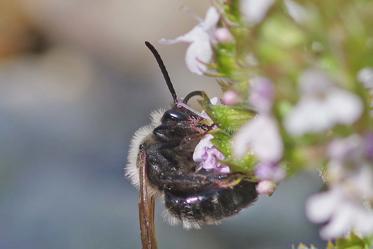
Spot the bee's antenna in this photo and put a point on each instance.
(163, 69)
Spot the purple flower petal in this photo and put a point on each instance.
(269, 171)
(368, 146)
(261, 94)
(208, 157)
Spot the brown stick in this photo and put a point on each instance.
(146, 213)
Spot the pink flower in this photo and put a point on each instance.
(223, 35)
(230, 98)
(208, 157)
(266, 187)
(199, 52)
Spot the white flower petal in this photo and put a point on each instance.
(365, 76)
(363, 222)
(211, 19)
(345, 107)
(314, 114)
(309, 115)
(199, 52)
(215, 101)
(261, 136)
(341, 222)
(197, 34)
(349, 217)
(200, 149)
(296, 11)
(345, 148)
(320, 207)
(344, 213)
(314, 81)
(363, 182)
(198, 55)
(255, 10)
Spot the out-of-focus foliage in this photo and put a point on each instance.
(351, 242)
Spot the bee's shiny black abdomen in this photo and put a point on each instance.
(211, 204)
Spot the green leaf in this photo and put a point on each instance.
(222, 141)
(245, 165)
(229, 118)
(353, 242)
(232, 10)
(225, 58)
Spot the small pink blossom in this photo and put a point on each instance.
(223, 35)
(208, 157)
(266, 187)
(230, 98)
(199, 52)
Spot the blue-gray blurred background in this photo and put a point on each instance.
(75, 83)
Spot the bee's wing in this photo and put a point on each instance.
(146, 207)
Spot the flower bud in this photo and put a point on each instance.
(230, 98)
(223, 35)
(266, 187)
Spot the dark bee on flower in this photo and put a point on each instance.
(161, 163)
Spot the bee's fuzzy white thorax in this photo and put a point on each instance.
(132, 170)
(156, 116)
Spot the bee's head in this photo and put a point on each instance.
(181, 120)
(181, 111)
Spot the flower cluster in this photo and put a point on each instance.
(346, 205)
(297, 81)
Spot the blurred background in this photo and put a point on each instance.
(75, 83)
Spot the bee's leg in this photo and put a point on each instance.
(146, 207)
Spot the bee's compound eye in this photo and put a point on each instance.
(173, 115)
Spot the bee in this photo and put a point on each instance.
(160, 163)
